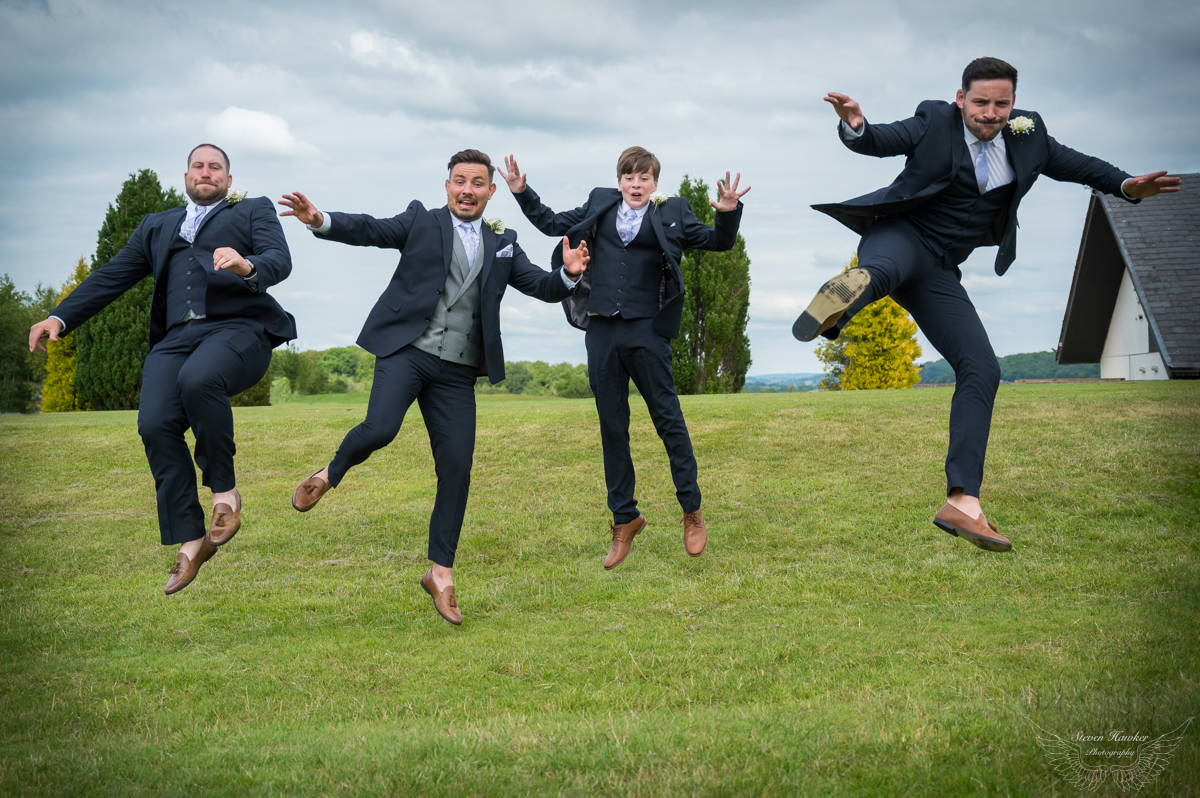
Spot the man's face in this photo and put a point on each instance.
(636, 189)
(468, 190)
(206, 180)
(985, 106)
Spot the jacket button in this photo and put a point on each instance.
(189, 301)
(439, 349)
(189, 272)
(191, 258)
(189, 288)
(618, 290)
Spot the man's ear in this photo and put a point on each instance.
(960, 98)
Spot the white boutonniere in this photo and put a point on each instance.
(496, 225)
(658, 198)
(1021, 125)
(234, 197)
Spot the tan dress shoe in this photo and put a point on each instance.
(185, 570)
(226, 521)
(623, 535)
(979, 530)
(309, 492)
(443, 601)
(695, 533)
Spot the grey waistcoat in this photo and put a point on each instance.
(455, 331)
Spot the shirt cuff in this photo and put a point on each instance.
(1125, 194)
(252, 277)
(326, 223)
(850, 134)
(60, 321)
(571, 284)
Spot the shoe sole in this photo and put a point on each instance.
(435, 606)
(832, 300)
(983, 543)
(181, 588)
(623, 559)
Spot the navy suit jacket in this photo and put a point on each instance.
(934, 145)
(675, 227)
(250, 227)
(425, 241)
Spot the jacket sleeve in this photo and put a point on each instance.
(271, 257)
(361, 230)
(720, 238)
(534, 281)
(546, 220)
(896, 138)
(1068, 165)
(127, 268)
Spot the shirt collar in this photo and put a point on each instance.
(972, 139)
(639, 211)
(193, 209)
(477, 224)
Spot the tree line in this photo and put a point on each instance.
(99, 365)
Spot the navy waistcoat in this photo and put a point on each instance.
(187, 281)
(625, 278)
(953, 222)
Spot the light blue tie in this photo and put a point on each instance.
(626, 226)
(981, 166)
(192, 223)
(470, 242)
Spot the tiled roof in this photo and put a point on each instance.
(1158, 240)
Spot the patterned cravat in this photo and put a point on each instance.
(981, 166)
(625, 224)
(191, 222)
(470, 241)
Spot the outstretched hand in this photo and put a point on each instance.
(1151, 184)
(847, 110)
(575, 260)
(512, 175)
(728, 197)
(302, 209)
(50, 328)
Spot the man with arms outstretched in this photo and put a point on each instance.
(969, 165)
(434, 329)
(630, 302)
(212, 329)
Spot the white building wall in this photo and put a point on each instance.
(1127, 354)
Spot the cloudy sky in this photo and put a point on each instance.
(359, 105)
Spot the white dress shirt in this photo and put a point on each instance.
(622, 209)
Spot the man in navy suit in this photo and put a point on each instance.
(212, 329)
(969, 165)
(630, 302)
(434, 329)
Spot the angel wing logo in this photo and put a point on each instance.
(1068, 760)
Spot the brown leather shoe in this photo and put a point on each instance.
(623, 535)
(979, 530)
(695, 533)
(185, 570)
(309, 492)
(226, 522)
(832, 300)
(443, 601)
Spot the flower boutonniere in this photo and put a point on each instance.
(234, 197)
(658, 198)
(496, 225)
(1021, 125)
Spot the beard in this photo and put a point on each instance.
(206, 193)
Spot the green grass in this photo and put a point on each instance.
(830, 641)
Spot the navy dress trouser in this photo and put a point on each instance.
(445, 392)
(187, 380)
(619, 349)
(903, 266)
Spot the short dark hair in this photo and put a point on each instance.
(215, 147)
(989, 69)
(471, 156)
(637, 161)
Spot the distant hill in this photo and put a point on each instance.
(782, 383)
(1027, 366)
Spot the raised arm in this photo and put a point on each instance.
(541, 216)
(723, 235)
(357, 229)
(881, 141)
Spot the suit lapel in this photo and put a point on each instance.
(1014, 149)
(443, 215)
(656, 222)
(172, 219)
(487, 251)
(222, 205)
(958, 142)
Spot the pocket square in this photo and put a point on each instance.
(672, 224)
(505, 253)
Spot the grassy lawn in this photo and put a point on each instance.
(830, 641)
